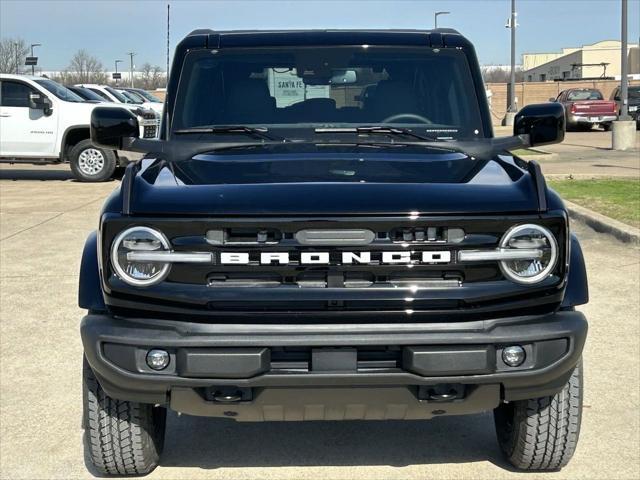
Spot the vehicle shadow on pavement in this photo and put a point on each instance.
(35, 174)
(216, 443)
(43, 174)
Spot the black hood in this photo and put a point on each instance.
(334, 182)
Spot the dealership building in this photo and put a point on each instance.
(600, 60)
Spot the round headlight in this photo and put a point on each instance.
(537, 239)
(139, 239)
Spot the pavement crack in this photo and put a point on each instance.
(50, 219)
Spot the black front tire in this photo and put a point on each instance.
(542, 433)
(83, 168)
(120, 437)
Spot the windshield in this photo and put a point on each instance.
(120, 97)
(60, 91)
(585, 95)
(634, 92)
(132, 97)
(87, 94)
(146, 95)
(429, 90)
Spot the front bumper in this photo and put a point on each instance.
(463, 357)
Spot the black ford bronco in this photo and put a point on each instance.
(327, 229)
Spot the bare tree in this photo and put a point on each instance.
(500, 75)
(85, 68)
(152, 76)
(12, 55)
(63, 77)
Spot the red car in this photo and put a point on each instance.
(585, 107)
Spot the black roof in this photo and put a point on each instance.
(442, 37)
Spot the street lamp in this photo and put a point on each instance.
(33, 66)
(435, 17)
(116, 76)
(131, 55)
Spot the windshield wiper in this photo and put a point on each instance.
(377, 129)
(256, 132)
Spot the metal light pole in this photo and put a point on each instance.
(117, 62)
(33, 67)
(15, 45)
(131, 55)
(623, 131)
(435, 17)
(624, 67)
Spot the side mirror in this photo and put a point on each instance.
(38, 101)
(543, 122)
(110, 126)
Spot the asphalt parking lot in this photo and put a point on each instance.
(45, 217)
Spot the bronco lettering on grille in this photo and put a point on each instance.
(335, 258)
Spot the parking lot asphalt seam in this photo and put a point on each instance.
(52, 218)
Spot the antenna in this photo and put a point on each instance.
(168, 24)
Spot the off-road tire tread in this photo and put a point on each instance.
(542, 433)
(121, 437)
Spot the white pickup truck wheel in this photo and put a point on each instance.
(90, 163)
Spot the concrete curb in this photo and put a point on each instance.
(602, 223)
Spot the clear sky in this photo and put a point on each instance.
(109, 29)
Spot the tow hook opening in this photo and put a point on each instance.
(228, 394)
(441, 393)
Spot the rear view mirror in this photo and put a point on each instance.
(110, 126)
(343, 77)
(543, 122)
(37, 101)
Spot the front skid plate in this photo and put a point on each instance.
(346, 403)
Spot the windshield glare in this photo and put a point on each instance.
(133, 98)
(146, 95)
(87, 94)
(120, 97)
(60, 91)
(428, 90)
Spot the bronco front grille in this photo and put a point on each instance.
(267, 265)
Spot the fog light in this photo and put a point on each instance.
(513, 356)
(157, 359)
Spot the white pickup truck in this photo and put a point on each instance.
(42, 122)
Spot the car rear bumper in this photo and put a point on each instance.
(590, 119)
(451, 368)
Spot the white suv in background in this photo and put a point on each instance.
(43, 122)
(116, 95)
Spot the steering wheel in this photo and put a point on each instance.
(408, 116)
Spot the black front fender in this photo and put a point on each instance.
(90, 291)
(577, 292)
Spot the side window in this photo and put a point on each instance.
(15, 94)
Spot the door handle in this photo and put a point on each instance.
(5, 115)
